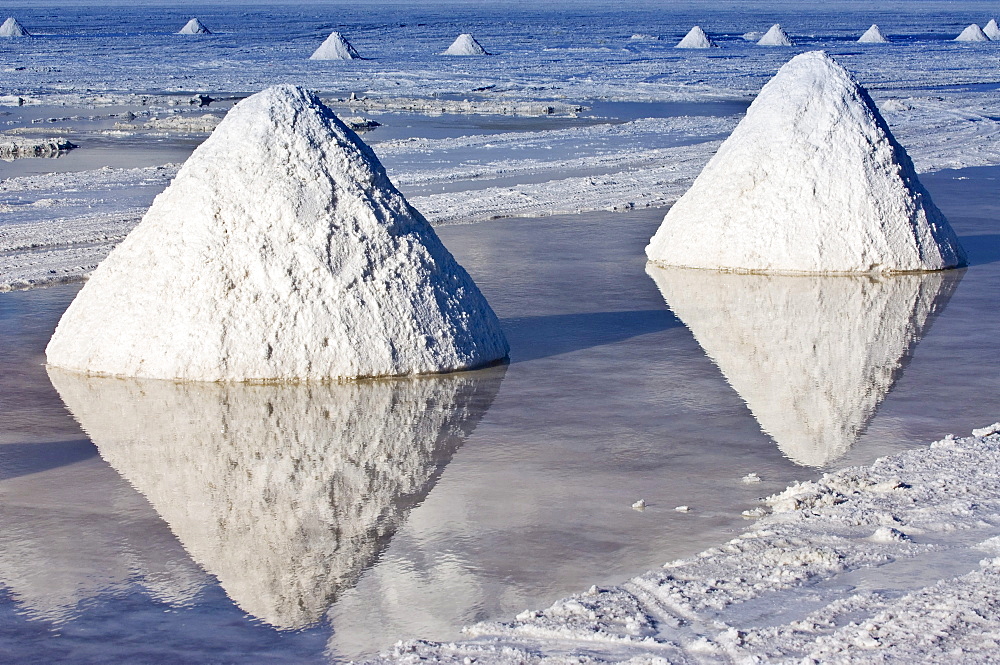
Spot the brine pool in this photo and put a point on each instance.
(153, 522)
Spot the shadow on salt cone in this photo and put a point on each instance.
(812, 356)
(285, 493)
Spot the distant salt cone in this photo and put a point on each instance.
(335, 48)
(695, 38)
(11, 28)
(810, 181)
(972, 34)
(776, 36)
(194, 27)
(812, 356)
(992, 30)
(873, 35)
(465, 44)
(286, 493)
(280, 252)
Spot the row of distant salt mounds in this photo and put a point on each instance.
(336, 47)
(295, 258)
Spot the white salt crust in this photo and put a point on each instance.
(810, 181)
(775, 36)
(873, 35)
(465, 44)
(281, 251)
(696, 38)
(335, 47)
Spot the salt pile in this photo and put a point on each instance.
(281, 251)
(194, 27)
(776, 36)
(812, 356)
(695, 38)
(810, 181)
(992, 30)
(465, 44)
(873, 35)
(11, 28)
(344, 464)
(972, 34)
(335, 48)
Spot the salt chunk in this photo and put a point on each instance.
(639, 505)
(986, 431)
(683, 509)
(886, 534)
(751, 478)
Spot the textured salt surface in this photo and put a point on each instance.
(335, 47)
(825, 578)
(696, 38)
(775, 36)
(293, 258)
(465, 44)
(811, 181)
(873, 36)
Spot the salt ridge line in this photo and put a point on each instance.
(930, 507)
(293, 258)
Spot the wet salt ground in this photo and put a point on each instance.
(608, 398)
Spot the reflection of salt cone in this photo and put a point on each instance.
(813, 357)
(284, 492)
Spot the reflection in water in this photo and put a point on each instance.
(812, 356)
(286, 493)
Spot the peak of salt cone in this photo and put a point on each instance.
(695, 38)
(776, 36)
(810, 181)
(812, 356)
(281, 251)
(992, 30)
(11, 28)
(194, 27)
(344, 465)
(873, 35)
(465, 44)
(335, 47)
(972, 34)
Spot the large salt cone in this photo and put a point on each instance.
(11, 28)
(194, 27)
(812, 356)
(695, 38)
(281, 251)
(810, 181)
(465, 44)
(335, 47)
(285, 493)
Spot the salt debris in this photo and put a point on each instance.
(972, 34)
(776, 36)
(465, 44)
(750, 479)
(281, 251)
(194, 27)
(992, 30)
(15, 147)
(335, 47)
(753, 36)
(696, 38)
(639, 505)
(810, 181)
(873, 35)
(683, 509)
(11, 28)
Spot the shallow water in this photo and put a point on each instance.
(155, 544)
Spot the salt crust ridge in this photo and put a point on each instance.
(284, 493)
(873, 35)
(465, 44)
(775, 36)
(812, 356)
(696, 38)
(923, 509)
(194, 27)
(291, 258)
(12, 28)
(810, 181)
(335, 47)
(973, 33)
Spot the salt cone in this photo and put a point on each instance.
(335, 47)
(696, 38)
(776, 36)
(465, 44)
(873, 35)
(11, 28)
(194, 27)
